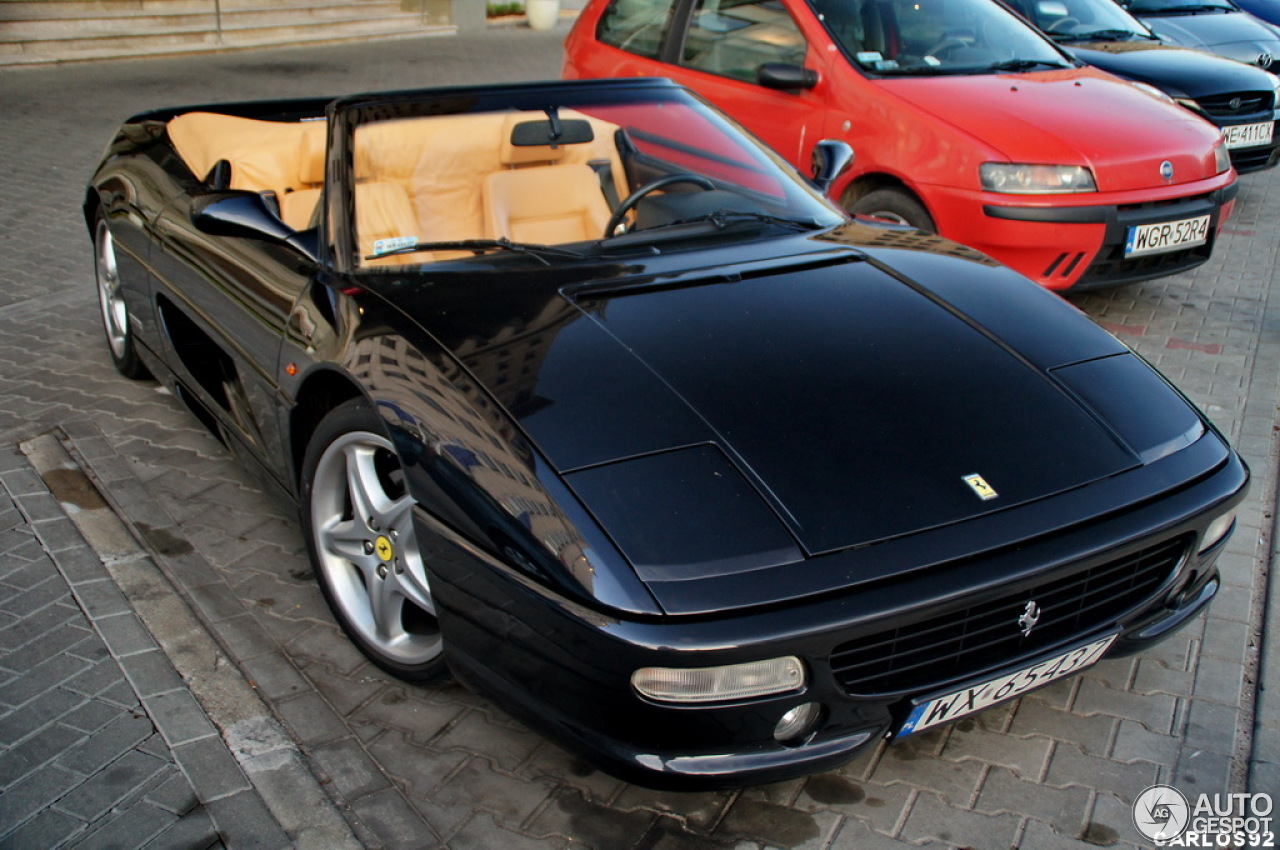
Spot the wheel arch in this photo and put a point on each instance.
(865, 184)
(320, 392)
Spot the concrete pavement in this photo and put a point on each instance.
(175, 679)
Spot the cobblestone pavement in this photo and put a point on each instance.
(440, 767)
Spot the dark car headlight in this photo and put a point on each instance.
(1146, 412)
(685, 513)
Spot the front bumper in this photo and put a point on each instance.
(564, 668)
(1074, 269)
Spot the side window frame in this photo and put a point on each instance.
(687, 12)
(672, 33)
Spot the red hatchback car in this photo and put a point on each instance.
(965, 121)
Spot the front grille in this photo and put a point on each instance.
(1236, 104)
(1251, 159)
(986, 635)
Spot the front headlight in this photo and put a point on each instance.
(714, 684)
(1275, 101)
(1015, 178)
(1217, 530)
(1221, 157)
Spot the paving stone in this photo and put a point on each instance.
(210, 768)
(934, 819)
(243, 821)
(178, 717)
(957, 781)
(882, 807)
(477, 785)
(42, 677)
(118, 737)
(502, 745)
(774, 825)
(570, 815)
(1063, 809)
(1155, 711)
(1026, 756)
(481, 833)
(1068, 766)
(36, 714)
(418, 767)
(854, 834)
(194, 831)
(39, 790)
(350, 769)
(48, 829)
(700, 809)
(35, 752)
(125, 634)
(109, 784)
(395, 821)
(311, 719)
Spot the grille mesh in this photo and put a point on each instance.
(986, 634)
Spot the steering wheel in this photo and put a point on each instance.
(952, 39)
(653, 186)
(1062, 25)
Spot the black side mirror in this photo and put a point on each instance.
(785, 76)
(246, 214)
(831, 158)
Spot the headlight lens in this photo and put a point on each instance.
(1221, 157)
(1217, 530)
(714, 684)
(1023, 179)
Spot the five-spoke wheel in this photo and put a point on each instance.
(115, 313)
(358, 515)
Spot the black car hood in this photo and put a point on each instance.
(854, 403)
(1192, 73)
(777, 418)
(1233, 34)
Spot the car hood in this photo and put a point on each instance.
(1190, 72)
(1237, 35)
(762, 418)
(1079, 116)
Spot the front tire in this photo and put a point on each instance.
(358, 518)
(896, 206)
(115, 313)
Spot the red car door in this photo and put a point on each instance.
(718, 48)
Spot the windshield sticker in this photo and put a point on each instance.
(386, 246)
(887, 64)
(866, 57)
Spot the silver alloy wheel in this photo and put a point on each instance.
(115, 315)
(364, 541)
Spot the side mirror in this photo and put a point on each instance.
(785, 76)
(246, 214)
(831, 158)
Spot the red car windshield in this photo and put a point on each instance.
(914, 37)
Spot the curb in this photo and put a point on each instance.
(264, 752)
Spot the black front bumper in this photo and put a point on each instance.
(564, 668)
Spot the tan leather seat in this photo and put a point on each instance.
(539, 198)
(297, 208)
(384, 212)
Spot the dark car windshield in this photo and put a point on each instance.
(1177, 7)
(1081, 20)
(442, 181)
(913, 37)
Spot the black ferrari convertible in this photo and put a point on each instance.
(590, 399)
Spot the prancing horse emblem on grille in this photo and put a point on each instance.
(1029, 618)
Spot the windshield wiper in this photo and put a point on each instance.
(1101, 35)
(1189, 9)
(1018, 65)
(480, 246)
(725, 218)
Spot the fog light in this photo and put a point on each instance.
(713, 684)
(1217, 530)
(797, 723)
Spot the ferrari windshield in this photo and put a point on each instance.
(934, 37)
(450, 178)
(1081, 20)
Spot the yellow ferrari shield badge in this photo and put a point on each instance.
(384, 548)
(979, 485)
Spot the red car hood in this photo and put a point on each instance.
(1072, 117)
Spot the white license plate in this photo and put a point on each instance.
(1166, 236)
(1248, 135)
(944, 709)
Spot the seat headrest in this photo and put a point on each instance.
(526, 140)
(311, 152)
